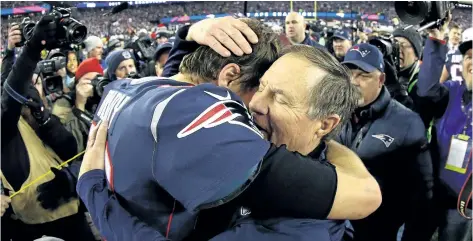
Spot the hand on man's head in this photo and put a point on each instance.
(223, 35)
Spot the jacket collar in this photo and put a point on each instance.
(375, 109)
(307, 40)
(319, 153)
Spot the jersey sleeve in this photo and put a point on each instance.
(207, 146)
(113, 221)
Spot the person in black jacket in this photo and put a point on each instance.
(14, 37)
(34, 142)
(390, 140)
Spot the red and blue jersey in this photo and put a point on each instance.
(174, 149)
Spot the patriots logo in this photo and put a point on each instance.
(363, 53)
(387, 140)
(225, 110)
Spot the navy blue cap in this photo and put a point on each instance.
(161, 49)
(342, 34)
(366, 57)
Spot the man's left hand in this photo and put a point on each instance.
(440, 33)
(94, 157)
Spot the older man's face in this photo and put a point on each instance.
(281, 104)
(97, 52)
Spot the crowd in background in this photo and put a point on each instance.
(139, 16)
(133, 44)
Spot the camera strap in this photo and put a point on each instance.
(12, 93)
(465, 197)
(415, 70)
(83, 116)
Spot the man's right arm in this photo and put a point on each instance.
(292, 185)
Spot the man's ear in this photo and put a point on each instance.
(228, 74)
(382, 79)
(327, 125)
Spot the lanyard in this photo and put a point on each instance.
(468, 115)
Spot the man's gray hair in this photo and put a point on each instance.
(334, 93)
(205, 64)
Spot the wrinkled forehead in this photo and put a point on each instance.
(293, 73)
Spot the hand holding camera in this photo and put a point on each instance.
(440, 33)
(42, 35)
(14, 36)
(84, 90)
(54, 30)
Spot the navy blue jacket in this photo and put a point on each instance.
(390, 140)
(310, 42)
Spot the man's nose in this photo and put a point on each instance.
(258, 104)
(355, 81)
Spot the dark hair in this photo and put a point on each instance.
(334, 93)
(205, 64)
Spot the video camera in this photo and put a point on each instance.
(99, 83)
(390, 49)
(142, 48)
(51, 65)
(69, 30)
(425, 13)
(52, 82)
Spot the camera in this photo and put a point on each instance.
(425, 13)
(69, 30)
(389, 47)
(51, 65)
(142, 48)
(52, 82)
(99, 83)
(26, 28)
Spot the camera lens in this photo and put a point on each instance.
(75, 31)
(412, 12)
(101, 86)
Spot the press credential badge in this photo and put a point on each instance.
(460, 154)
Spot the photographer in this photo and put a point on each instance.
(76, 108)
(34, 142)
(14, 37)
